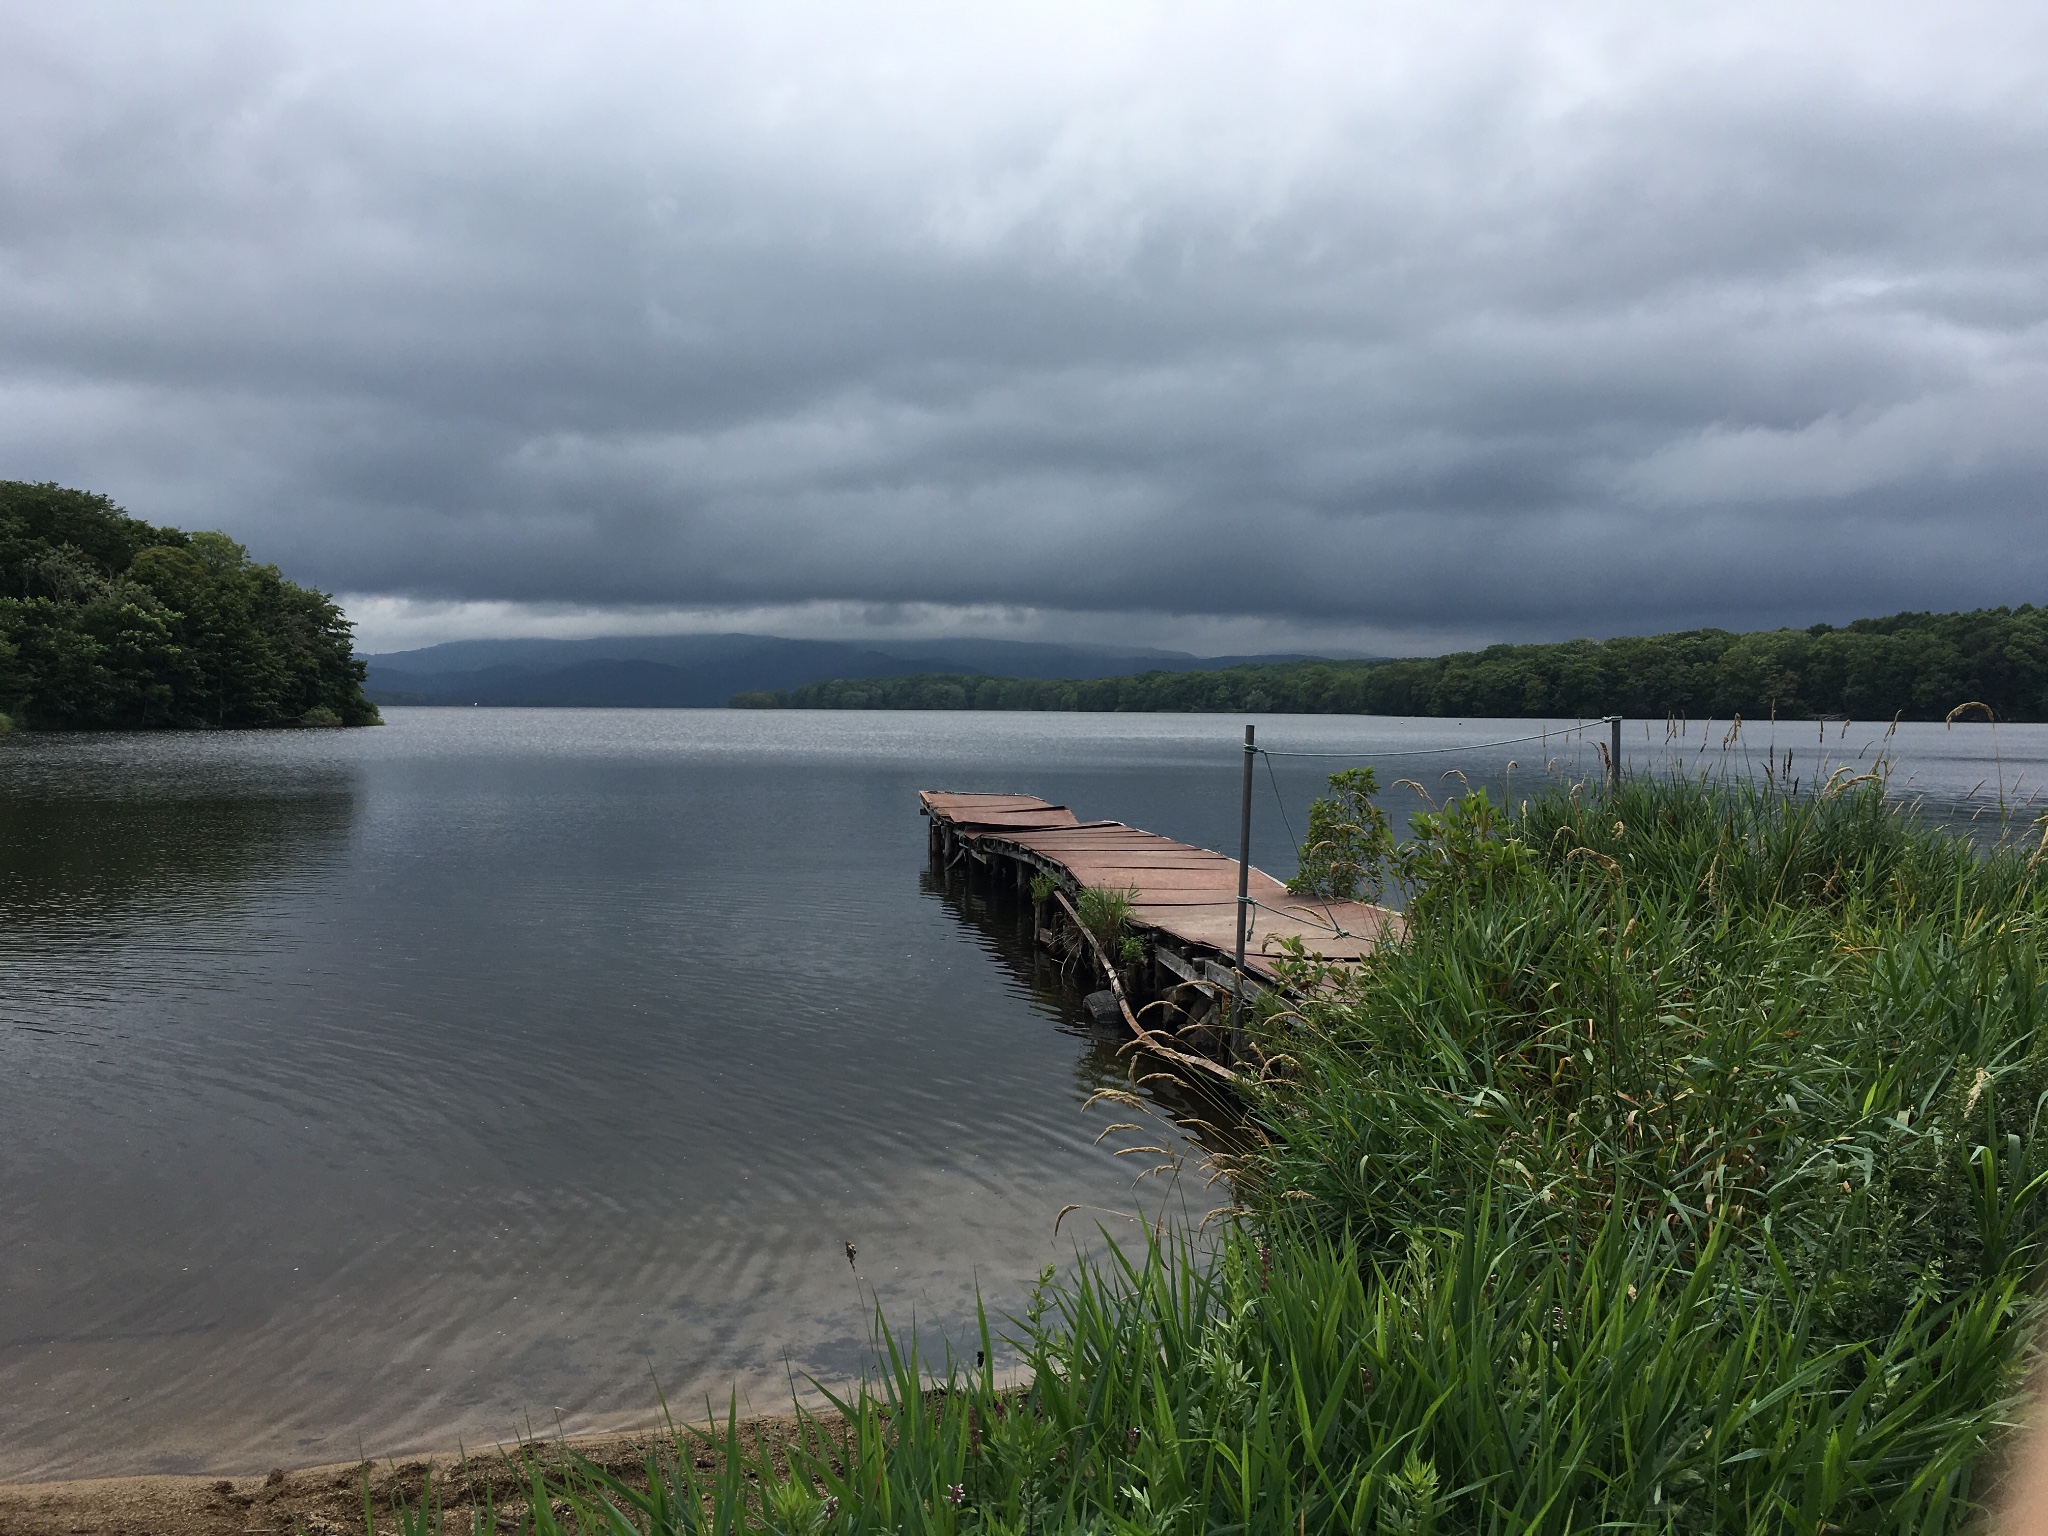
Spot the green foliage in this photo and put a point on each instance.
(1469, 851)
(1681, 1171)
(1104, 913)
(1485, 1383)
(1042, 887)
(1788, 1054)
(108, 623)
(1350, 845)
(1917, 665)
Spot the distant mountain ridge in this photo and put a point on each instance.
(706, 671)
(1988, 663)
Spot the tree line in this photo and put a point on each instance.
(1916, 665)
(107, 622)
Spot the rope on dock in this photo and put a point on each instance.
(1337, 930)
(1476, 746)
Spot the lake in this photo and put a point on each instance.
(381, 1089)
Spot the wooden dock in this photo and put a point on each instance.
(1184, 900)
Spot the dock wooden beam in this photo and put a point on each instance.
(1184, 899)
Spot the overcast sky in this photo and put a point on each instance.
(1217, 326)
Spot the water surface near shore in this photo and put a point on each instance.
(377, 1089)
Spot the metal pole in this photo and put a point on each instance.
(1614, 751)
(1244, 871)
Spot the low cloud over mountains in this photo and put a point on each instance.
(1218, 327)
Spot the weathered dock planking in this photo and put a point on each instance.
(1185, 898)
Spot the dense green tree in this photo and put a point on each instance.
(109, 623)
(1916, 665)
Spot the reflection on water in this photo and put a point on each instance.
(390, 1087)
(428, 1083)
(992, 909)
(86, 858)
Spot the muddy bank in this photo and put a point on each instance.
(328, 1500)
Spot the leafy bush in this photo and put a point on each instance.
(106, 622)
(1349, 849)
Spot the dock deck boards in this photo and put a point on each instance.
(1187, 893)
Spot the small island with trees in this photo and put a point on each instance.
(109, 623)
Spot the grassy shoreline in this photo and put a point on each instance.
(1682, 1171)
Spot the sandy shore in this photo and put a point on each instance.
(328, 1500)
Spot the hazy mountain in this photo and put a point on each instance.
(683, 671)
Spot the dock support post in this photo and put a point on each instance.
(1614, 752)
(1244, 874)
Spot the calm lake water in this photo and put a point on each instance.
(379, 1089)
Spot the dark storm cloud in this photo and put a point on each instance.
(1502, 326)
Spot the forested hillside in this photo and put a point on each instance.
(1919, 665)
(109, 623)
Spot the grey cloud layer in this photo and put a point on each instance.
(1600, 322)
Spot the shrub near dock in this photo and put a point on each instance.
(1681, 1172)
